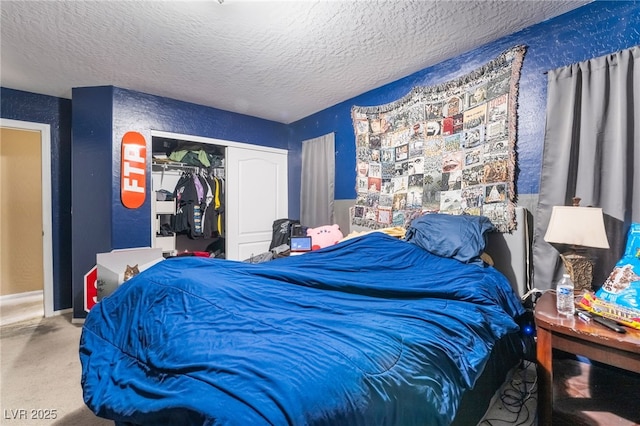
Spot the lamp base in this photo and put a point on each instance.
(580, 269)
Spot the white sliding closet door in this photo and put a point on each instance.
(257, 194)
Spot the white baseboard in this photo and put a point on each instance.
(18, 298)
(21, 307)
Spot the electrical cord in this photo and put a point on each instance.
(537, 292)
(514, 397)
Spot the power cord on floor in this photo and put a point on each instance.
(514, 397)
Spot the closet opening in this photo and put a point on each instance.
(188, 197)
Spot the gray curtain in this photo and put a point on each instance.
(591, 144)
(317, 181)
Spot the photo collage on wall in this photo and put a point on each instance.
(448, 148)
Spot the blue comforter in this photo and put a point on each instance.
(371, 331)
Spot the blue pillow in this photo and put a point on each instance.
(459, 237)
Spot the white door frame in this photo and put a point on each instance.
(47, 228)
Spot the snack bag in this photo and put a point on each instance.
(619, 296)
(623, 284)
(626, 316)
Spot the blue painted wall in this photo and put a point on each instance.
(102, 115)
(135, 111)
(92, 118)
(593, 30)
(56, 112)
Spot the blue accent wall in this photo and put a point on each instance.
(91, 190)
(593, 30)
(101, 116)
(56, 112)
(140, 112)
(135, 111)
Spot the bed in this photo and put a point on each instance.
(375, 330)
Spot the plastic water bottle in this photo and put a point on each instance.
(564, 296)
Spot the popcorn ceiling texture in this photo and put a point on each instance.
(278, 60)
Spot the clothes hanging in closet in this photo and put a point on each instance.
(190, 195)
(214, 219)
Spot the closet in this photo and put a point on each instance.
(188, 194)
(214, 197)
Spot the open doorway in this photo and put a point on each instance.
(25, 218)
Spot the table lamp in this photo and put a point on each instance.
(578, 227)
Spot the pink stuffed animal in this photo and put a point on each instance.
(324, 236)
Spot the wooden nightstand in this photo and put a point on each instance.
(570, 334)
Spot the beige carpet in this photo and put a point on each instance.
(41, 374)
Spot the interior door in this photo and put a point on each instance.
(21, 212)
(256, 193)
(26, 234)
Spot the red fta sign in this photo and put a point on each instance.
(91, 288)
(133, 173)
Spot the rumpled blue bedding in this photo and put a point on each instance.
(371, 331)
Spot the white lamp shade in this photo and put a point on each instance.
(579, 226)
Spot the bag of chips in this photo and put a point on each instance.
(619, 296)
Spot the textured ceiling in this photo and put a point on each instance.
(278, 60)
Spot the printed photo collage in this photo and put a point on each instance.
(442, 152)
